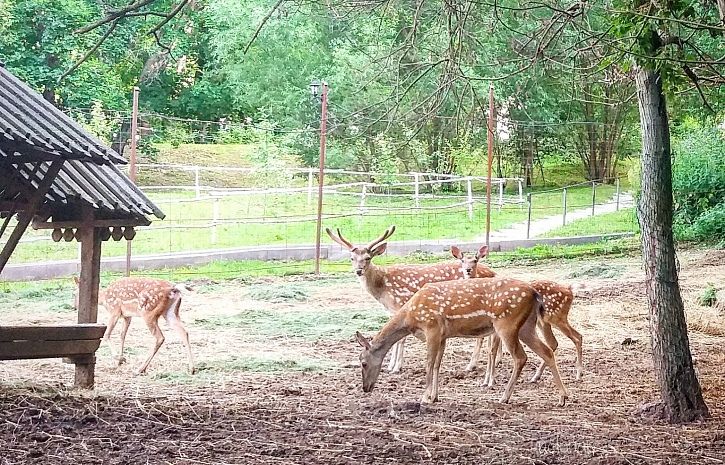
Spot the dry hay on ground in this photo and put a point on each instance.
(318, 413)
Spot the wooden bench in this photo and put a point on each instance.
(75, 343)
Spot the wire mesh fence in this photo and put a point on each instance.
(269, 206)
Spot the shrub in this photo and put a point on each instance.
(699, 184)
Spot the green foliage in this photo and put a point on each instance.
(699, 184)
(708, 296)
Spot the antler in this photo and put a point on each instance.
(388, 232)
(339, 239)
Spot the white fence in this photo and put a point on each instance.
(411, 185)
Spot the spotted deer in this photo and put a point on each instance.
(556, 300)
(463, 308)
(394, 285)
(470, 269)
(149, 299)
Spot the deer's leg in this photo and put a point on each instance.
(153, 325)
(475, 355)
(437, 369)
(397, 360)
(510, 339)
(172, 317)
(530, 338)
(550, 341)
(112, 320)
(577, 339)
(124, 330)
(393, 357)
(494, 357)
(436, 347)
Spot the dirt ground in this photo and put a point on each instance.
(242, 415)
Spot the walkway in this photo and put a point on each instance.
(541, 226)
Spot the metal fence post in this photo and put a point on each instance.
(362, 198)
(310, 175)
(594, 195)
(215, 218)
(563, 221)
(470, 199)
(617, 182)
(197, 185)
(417, 190)
(500, 194)
(528, 220)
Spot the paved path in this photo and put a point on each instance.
(543, 225)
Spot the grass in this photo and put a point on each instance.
(624, 220)
(288, 220)
(246, 363)
(208, 277)
(330, 323)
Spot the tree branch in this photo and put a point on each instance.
(261, 25)
(90, 52)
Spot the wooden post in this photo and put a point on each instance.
(594, 196)
(90, 239)
(521, 191)
(563, 216)
(323, 142)
(528, 219)
(490, 163)
(132, 164)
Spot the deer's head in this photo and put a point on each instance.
(370, 363)
(362, 256)
(469, 262)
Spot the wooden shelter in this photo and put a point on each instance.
(55, 175)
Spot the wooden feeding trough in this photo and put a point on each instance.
(55, 175)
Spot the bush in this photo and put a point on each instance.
(699, 185)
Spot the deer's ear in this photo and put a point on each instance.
(379, 250)
(362, 340)
(482, 252)
(456, 252)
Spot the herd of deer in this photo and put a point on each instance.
(432, 302)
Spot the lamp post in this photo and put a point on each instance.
(320, 88)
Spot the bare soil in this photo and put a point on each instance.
(322, 416)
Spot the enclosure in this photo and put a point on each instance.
(279, 381)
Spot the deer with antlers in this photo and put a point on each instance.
(394, 285)
(149, 299)
(463, 308)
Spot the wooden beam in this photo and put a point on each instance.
(51, 333)
(90, 238)
(20, 350)
(34, 204)
(96, 223)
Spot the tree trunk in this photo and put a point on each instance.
(682, 399)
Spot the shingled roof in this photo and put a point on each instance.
(32, 129)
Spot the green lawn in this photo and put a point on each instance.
(205, 278)
(288, 219)
(624, 220)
